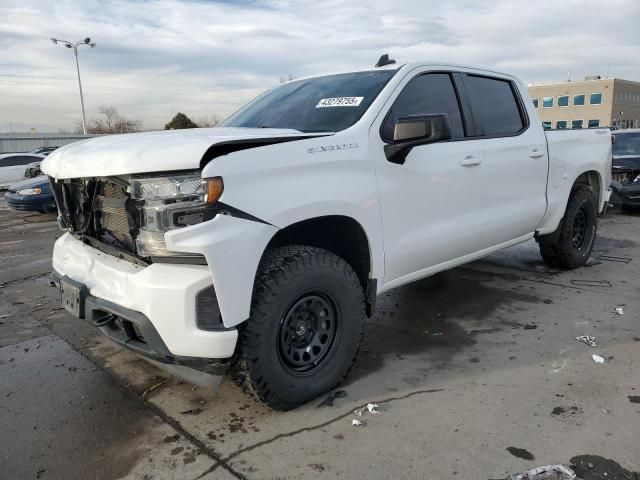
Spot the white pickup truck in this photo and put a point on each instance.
(261, 246)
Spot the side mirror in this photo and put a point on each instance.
(413, 130)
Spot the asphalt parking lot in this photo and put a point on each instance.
(476, 373)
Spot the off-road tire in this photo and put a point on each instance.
(286, 274)
(558, 249)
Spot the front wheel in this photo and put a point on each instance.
(571, 244)
(305, 328)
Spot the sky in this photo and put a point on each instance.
(205, 58)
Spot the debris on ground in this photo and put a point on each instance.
(373, 408)
(153, 387)
(587, 340)
(193, 411)
(597, 358)
(356, 423)
(328, 402)
(619, 311)
(530, 326)
(547, 472)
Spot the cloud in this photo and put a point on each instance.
(157, 57)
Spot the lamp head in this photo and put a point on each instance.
(87, 40)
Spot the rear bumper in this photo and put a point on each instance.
(159, 297)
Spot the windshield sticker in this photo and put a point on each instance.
(339, 102)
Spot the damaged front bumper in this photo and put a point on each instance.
(150, 310)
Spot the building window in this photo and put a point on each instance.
(594, 123)
(578, 99)
(547, 102)
(575, 124)
(535, 102)
(596, 99)
(561, 124)
(563, 101)
(546, 125)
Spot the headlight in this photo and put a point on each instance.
(637, 179)
(30, 191)
(172, 202)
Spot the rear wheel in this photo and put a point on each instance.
(305, 328)
(571, 244)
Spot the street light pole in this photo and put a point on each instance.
(86, 41)
(84, 122)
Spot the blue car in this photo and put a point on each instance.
(33, 195)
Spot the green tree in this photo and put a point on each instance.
(180, 121)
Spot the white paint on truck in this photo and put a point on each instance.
(491, 178)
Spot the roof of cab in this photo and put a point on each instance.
(407, 66)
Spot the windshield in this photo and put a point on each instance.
(321, 104)
(627, 144)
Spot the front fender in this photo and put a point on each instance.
(233, 248)
(291, 182)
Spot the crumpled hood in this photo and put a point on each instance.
(148, 151)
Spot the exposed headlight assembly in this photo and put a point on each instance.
(172, 202)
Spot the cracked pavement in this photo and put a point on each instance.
(476, 373)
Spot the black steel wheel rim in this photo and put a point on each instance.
(308, 333)
(579, 231)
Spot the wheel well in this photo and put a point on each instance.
(590, 179)
(338, 234)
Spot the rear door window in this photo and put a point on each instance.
(426, 94)
(494, 105)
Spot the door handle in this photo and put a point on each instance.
(535, 153)
(470, 161)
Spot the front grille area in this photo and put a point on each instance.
(112, 216)
(99, 209)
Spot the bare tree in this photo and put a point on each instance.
(208, 121)
(111, 121)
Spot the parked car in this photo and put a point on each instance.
(44, 150)
(13, 167)
(625, 174)
(31, 195)
(263, 245)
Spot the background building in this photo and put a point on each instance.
(22, 142)
(592, 102)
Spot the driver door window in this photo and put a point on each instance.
(425, 94)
